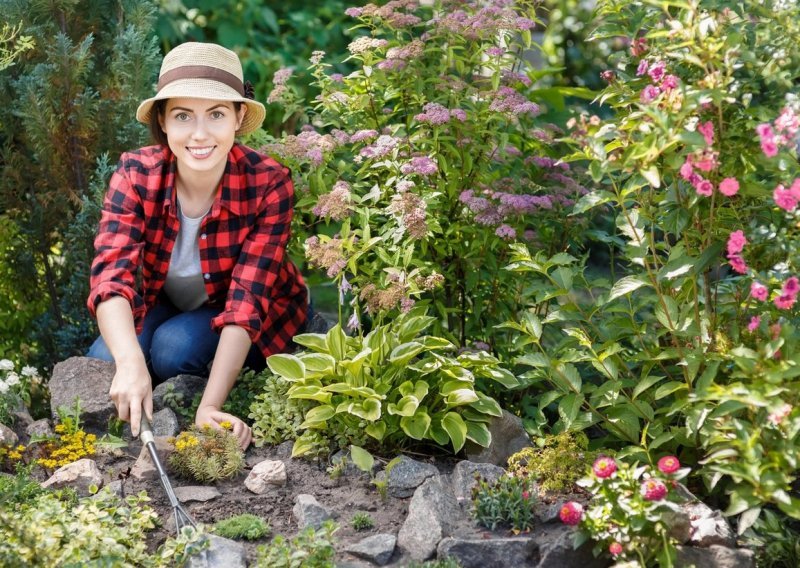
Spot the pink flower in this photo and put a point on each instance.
(649, 94)
(736, 242)
(707, 130)
(755, 321)
(704, 187)
(639, 46)
(785, 301)
(737, 263)
(758, 291)
(777, 416)
(642, 68)
(670, 82)
(608, 76)
(615, 548)
(729, 187)
(571, 513)
(604, 467)
(654, 489)
(669, 464)
(687, 170)
(784, 199)
(707, 161)
(795, 189)
(791, 286)
(656, 72)
(769, 148)
(506, 232)
(526, 495)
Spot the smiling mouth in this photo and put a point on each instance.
(200, 152)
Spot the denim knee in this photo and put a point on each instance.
(172, 355)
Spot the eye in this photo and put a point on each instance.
(217, 114)
(182, 117)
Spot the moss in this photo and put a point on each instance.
(245, 526)
(556, 465)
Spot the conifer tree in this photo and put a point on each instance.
(69, 107)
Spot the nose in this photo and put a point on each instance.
(200, 130)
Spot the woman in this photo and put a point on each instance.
(203, 221)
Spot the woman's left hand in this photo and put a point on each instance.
(214, 417)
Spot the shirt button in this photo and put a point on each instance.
(204, 236)
(206, 276)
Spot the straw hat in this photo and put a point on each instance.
(204, 71)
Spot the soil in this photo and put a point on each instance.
(345, 496)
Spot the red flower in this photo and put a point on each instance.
(654, 489)
(525, 495)
(604, 467)
(669, 464)
(615, 548)
(571, 513)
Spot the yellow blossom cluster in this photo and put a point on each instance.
(11, 452)
(70, 447)
(225, 425)
(184, 441)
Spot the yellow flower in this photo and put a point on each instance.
(60, 428)
(226, 425)
(20, 448)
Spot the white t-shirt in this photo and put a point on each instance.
(184, 284)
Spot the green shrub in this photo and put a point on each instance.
(245, 526)
(560, 461)
(276, 417)
(207, 454)
(362, 521)
(506, 502)
(776, 541)
(309, 549)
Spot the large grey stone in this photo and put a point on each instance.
(715, 557)
(221, 553)
(556, 548)
(184, 387)
(708, 527)
(378, 548)
(405, 475)
(519, 552)
(7, 436)
(318, 324)
(508, 437)
(677, 519)
(144, 468)
(80, 475)
(88, 380)
(39, 428)
(431, 514)
(463, 478)
(308, 512)
(199, 493)
(165, 424)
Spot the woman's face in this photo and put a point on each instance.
(201, 132)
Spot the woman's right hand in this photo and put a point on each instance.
(132, 390)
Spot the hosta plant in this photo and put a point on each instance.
(393, 385)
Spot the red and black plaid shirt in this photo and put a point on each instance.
(242, 243)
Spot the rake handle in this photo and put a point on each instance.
(147, 437)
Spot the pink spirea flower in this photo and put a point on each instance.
(736, 242)
(353, 12)
(421, 165)
(707, 130)
(656, 71)
(704, 187)
(670, 82)
(615, 548)
(729, 187)
(654, 489)
(604, 467)
(669, 464)
(506, 232)
(784, 199)
(737, 263)
(769, 148)
(759, 291)
(649, 94)
(755, 321)
(571, 513)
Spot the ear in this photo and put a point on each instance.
(240, 116)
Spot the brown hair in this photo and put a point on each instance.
(159, 107)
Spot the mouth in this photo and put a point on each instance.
(201, 153)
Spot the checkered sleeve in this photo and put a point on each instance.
(261, 260)
(118, 245)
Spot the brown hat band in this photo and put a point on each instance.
(201, 72)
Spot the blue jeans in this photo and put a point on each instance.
(175, 343)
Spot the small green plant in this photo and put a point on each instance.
(558, 464)
(775, 539)
(276, 417)
(309, 549)
(245, 526)
(337, 469)
(362, 521)
(506, 502)
(207, 454)
(439, 563)
(382, 485)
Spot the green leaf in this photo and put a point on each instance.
(533, 360)
(318, 364)
(336, 342)
(362, 458)
(568, 408)
(402, 354)
(487, 405)
(369, 409)
(645, 384)
(301, 447)
(594, 198)
(479, 433)
(456, 428)
(460, 397)
(625, 286)
(287, 366)
(413, 326)
(668, 388)
(406, 406)
(416, 426)
(317, 416)
(376, 429)
(652, 176)
(502, 376)
(314, 341)
(437, 433)
(568, 372)
(309, 392)
(668, 317)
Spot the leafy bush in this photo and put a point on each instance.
(507, 501)
(556, 465)
(244, 526)
(392, 385)
(207, 454)
(276, 417)
(309, 549)
(775, 541)
(362, 521)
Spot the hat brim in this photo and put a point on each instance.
(206, 89)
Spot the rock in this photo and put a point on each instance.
(318, 324)
(40, 428)
(144, 468)
(165, 424)
(431, 512)
(308, 512)
(222, 552)
(463, 478)
(378, 548)
(184, 387)
(678, 521)
(22, 419)
(715, 556)
(518, 552)
(508, 437)
(556, 548)
(712, 530)
(405, 475)
(7, 436)
(116, 488)
(266, 475)
(199, 493)
(89, 380)
(79, 475)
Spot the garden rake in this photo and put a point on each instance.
(182, 518)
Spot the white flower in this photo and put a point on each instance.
(6, 365)
(28, 371)
(3, 387)
(12, 379)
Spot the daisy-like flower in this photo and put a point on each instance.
(571, 513)
(654, 489)
(669, 464)
(604, 467)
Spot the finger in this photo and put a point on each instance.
(238, 428)
(123, 411)
(244, 440)
(136, 416)
(147, 403)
